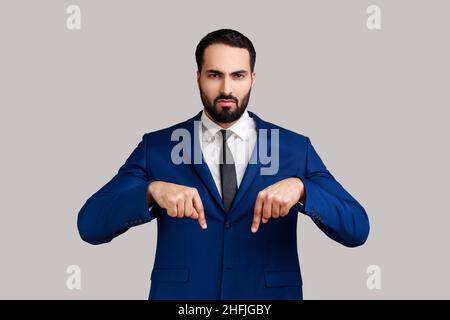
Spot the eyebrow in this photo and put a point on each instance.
(220, 72)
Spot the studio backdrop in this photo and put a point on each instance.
(82, 81)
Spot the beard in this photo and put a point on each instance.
(224, 114)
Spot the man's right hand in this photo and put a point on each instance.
(178, 200)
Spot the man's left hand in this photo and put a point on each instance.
(276, 200)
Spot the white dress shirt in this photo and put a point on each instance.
(241, 143)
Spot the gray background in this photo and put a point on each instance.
(74, 104)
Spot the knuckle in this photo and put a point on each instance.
(171, 199)
(186, 193)
(179, 196)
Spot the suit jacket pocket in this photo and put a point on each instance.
(170, 274)
(283, 279)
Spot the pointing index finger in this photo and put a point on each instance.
(198, 205)
(257, 215)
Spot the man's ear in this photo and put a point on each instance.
(253, 78)
(198, 77)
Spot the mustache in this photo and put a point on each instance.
(221, 97)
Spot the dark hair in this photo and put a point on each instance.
(229, 37)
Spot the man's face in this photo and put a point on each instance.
(225, 82)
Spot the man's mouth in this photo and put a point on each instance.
(226, 102)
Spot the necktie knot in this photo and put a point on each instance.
(225, 134)
(227, 156)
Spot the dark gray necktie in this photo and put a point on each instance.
(227, 172)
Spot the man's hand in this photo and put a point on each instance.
(178, 200)
(276, 200)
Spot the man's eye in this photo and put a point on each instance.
(239, 76)
(212, 75)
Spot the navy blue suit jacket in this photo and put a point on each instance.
(225, 261)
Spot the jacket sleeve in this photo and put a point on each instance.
(119, 204)
(329, 205)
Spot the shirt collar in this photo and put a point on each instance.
(240, 128)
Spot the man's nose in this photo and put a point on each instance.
(226, 87)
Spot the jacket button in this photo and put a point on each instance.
(227, 225)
